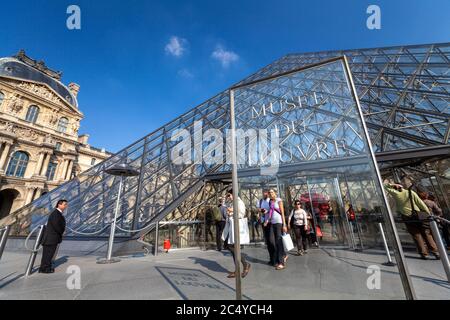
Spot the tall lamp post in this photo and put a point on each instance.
(121, 170)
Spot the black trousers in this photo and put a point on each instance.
(277, 243)
(267, 238)
(47, 256)
(208, 232)
(220, 225)
(300, 237)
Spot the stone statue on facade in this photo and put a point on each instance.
(16, 104)
(75, 127)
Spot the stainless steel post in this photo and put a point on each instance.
(237, 246)
(358, 227)
(4, 233)
(386, 247)
(34, 252)
(109, 258)
(441, 248)
(390, 223)
(156, 238)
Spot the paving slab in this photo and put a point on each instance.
(325, 273)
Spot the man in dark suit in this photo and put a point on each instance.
(56, 225)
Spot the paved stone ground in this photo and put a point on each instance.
(326, 273)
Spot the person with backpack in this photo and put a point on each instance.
(220, 217)
(209, 220)
(254, 222)
(412, 210)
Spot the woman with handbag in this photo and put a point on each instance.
(299, 221)
(228, 235)
(414, 213)
(277, 220)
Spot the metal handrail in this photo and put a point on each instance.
(34, 251)
(29, 236)
(4, 233)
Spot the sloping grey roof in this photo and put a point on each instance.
(13, 68)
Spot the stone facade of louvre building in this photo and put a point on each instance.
(40, 147)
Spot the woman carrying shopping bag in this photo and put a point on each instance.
(299, 221)
(276, 217)
(228, 232)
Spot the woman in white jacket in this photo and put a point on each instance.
(229, 237)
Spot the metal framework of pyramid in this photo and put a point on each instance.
(403, 92)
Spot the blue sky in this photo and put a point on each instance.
(142, 63)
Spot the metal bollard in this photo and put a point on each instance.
(358, 230)
(4, 233)
(386, 247)
(34, 252)
(441, 248)
(155, 253)
(109, 259)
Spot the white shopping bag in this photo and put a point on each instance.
(287, 242)
(244, 234)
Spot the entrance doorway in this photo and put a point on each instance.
(7, 198)
(342, 211)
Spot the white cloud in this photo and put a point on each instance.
(224, 57)
(185, 73)
(176, 47)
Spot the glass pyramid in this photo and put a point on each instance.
(404, 95)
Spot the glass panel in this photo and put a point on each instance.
(32, 114)
(310, 147)
(62, 124)
(17, 165)
(51, 170)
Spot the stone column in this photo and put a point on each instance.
(69, 170)
(64, 166)
(29, 195)
(38, 167)
(2, 145)
(45, 165)
(58, 169)
(4, 155)
(38, 193)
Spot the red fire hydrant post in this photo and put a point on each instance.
(166, 245)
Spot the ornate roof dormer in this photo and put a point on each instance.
(22, 67)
